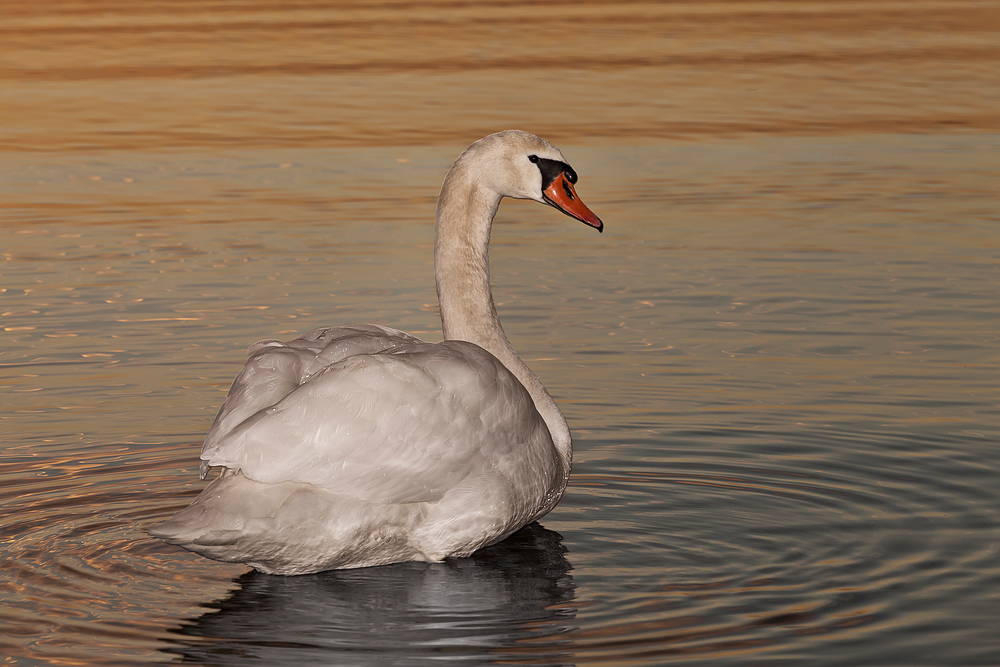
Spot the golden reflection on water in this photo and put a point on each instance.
(109, 75)
(801, 232)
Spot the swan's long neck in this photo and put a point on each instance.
(461, 267)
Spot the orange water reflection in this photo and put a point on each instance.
(108, 75)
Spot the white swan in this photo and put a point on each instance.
(362, 445)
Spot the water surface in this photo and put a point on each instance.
(779, 362)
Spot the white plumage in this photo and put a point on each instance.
(362, 445)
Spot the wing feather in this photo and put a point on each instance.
(274, 369)
(404, 423)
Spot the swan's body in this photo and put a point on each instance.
(362, 445)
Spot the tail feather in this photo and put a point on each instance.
(291, 528)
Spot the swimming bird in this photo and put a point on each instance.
(362, 445)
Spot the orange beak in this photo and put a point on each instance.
(562, 196)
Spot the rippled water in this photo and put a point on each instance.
(779, 362)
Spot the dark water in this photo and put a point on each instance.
(780, 362)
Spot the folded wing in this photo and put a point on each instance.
(374, 414)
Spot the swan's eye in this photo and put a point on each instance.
(533, 158)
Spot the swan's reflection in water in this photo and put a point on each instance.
(463, 611)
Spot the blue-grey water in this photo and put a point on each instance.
(779, 362)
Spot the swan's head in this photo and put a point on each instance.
(520, 165)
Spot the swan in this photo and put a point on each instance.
(362, 445)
